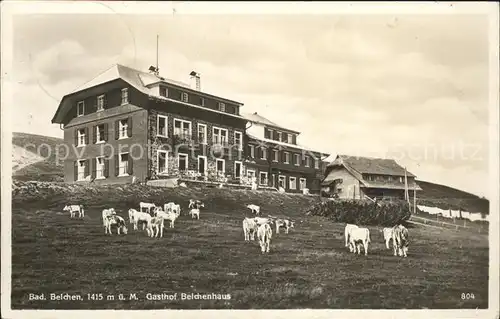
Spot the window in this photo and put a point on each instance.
(293, 183)
(161, 125)
(275, 156)
(390, 178)
(297, 159)
(308, 161)
(263, 178)
(100, 134)
(282, 181)
(124, 96)
(316, 163)
(81, 139)
(202, 101)
(302, 184)
(80, 108)
(202, 164)
(163, 91)
(162, 166)
(184, 97)
(81, 170)
(122, 129)
(401, 180)
(252, 151)
(182, 128)
(287, 158)
(238, 140)
(123, 164)
(279, 136)
(182, 161)
(264, 153)
(222, 107)
(219, 136)
(220, 166)
(100, 103)
(99, 168)
(284, 137)
(202, 133)
(267, 133)
(237, 169)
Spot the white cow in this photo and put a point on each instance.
(155, 227)
(115, 220)
(195, 212)
(263, 220)
(135, 217)
(347, 232)
(172, 207)
(264, 234)
(281, 222)
(254, 208)
(106, 213)
(387, 231)
(73, 209)
(171, 216)
(359, 237)
(195, 204)
(249, 228)
(146, 206)
(400, 240)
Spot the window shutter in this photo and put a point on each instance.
(76, 137)
(106, 132)
(275, 135)
(106, 167)
(130, 163)
(75, 170)
(284, 137)
(129, 127)
(117, 165)
(117, 129)
(87, 136)
(94, 167)
(87, 168)
(294, 139)
(94, 133)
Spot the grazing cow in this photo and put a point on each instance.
(135, 217)
(400, 240)
(263, 220)
(387, 231)
(249, 228)
(115, 220)
(195, 212)
(254, 208)
(280, 222)
(195, 204)
(155, 227)
(146, 206)
(264, 234)
(171, 216)
(172, 207)
(347, 232)
(359, 237)
(106, 213)
(73, 209)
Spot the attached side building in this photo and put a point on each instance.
(355, 177)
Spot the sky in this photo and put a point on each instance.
(412, 87)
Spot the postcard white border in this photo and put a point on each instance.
(10, 8)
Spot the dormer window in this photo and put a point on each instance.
(124, 96)
(163, 91)
(184, 97)
(222, 107)
(100, 102)
(202, 101)
(80, 108)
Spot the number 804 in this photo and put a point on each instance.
(467, 296)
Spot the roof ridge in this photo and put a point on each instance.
(99, 74)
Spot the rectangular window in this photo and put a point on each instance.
(293, 183)
(162, 162)
(316, 163)
(264, 153)
(282, 181)
(280, 136)
(202, 133)
(237, 169)
(182, 128)
(401, 180)
(219, 136)
(202, 101)
(100, 102)
(287, 158)
(275, 155)
(100, 134)
(202, 165)
(80, 108)
(307, 160)
(263, 178)
(302, 183)
(297, 159)
(238, 140)
(124, 96)
(81, 137)
(184, 97)
(162, 125)
(81, 170)
(284, 138)
(163, 91)
(123, 129)
(99, 169)
(222, 107)
(220, 166)
(252, 151)
(267, 133)
(123, 165)
(182, 161)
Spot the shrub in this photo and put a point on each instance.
(363, 212)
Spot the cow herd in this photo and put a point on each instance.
(154, 217)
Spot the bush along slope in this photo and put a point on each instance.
(363, 212)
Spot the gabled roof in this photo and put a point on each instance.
(138, 79)
(371, 165)
(257, 118)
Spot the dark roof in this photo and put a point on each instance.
(257, 118)
(371, 165)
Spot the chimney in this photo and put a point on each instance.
(195, 82)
